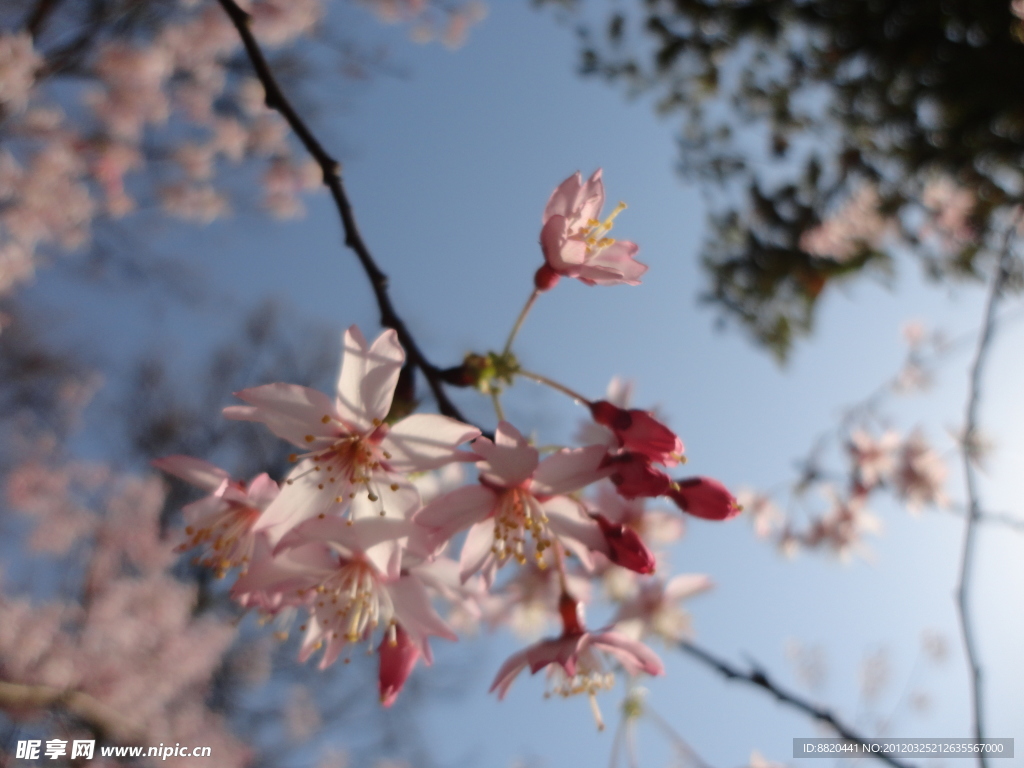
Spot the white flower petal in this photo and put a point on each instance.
(426, 441)
(457, 510)
(568, 471)
(197, 472)
(291, 412)
(368, 377)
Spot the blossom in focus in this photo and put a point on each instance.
(353, 460)
(576, 660)
(575, 242)
(704, 497)
(225, 520)
(359, 586)
(518, 507)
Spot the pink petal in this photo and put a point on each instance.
(565, 199)
(197, 472)
(368, 377)
(686, 585)
(634, 656)
(569, 470)
(299, 500)
(457, 510)
(513, 665)
(425, 441)
(298, 568)
(414, 611)
(476, 549)
(509, 460)
(614, 264)
(291, 412)
(262, 491)
(399, 502)
(371, 537)
(574, 529)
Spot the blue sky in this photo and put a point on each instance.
(449, 168)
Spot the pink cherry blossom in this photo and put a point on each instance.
(518, 507)
(18, 65)
(857, 224)
(362, 586)
(764, 515)
(655, 608)
(353, 460)
(575, 242)
(224, 522)
(874, 460)
(575, 660)
(843, 527)
(920, 474)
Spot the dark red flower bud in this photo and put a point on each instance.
(634, 476)
(704, 497)
(398, 655)
(638, 431)
(625, 547)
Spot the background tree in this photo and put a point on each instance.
(838, 136)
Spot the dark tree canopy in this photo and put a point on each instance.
(903, 119)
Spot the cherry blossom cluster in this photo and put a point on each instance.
(358, 543)
(129, 640)
(878, 459)
(152, 119)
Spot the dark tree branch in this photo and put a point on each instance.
(974, 513)
(275, 99)
(758, 678)
(37, 18)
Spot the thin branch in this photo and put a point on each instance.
(1002, 272)
(275, 99)
(103, 720)
(1012, 521)
(40, 13)
(759, 679)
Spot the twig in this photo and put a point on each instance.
(275, 99)
(759, 678)
(1012, 521)
(102, 719)
(1002, 271)
(37, 18)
